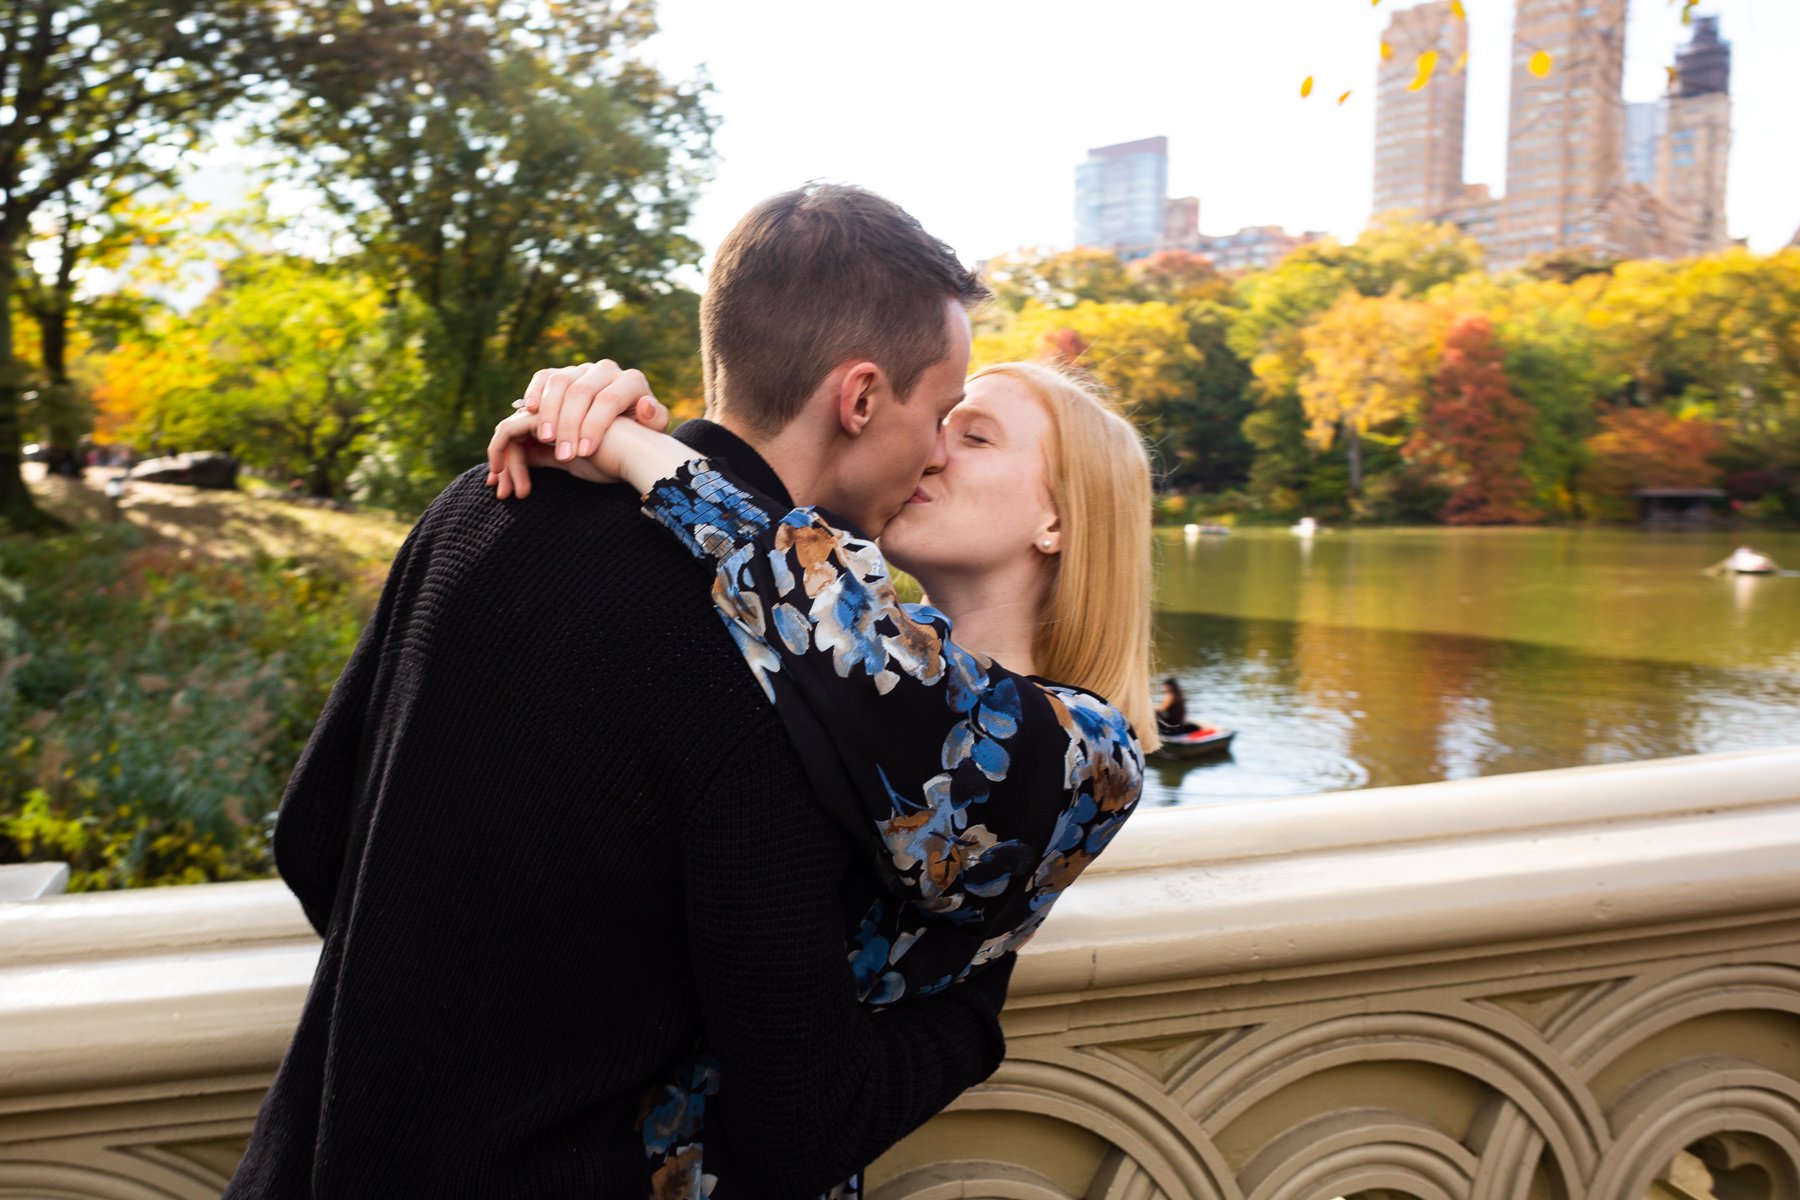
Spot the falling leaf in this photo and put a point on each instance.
(1456, 10)
(1462, 63)
(1343, 97)
(1306, 87)
(1539, 64)
(1387, 52)
(1674, 76)
(1427, 64)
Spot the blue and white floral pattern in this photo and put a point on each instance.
(981, 793)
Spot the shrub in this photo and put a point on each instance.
(159, 699)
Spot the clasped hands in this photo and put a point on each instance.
(564, 419)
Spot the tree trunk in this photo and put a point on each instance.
(1353, 450)
(18, 513)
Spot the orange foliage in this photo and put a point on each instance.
(1650, 448)
(1471, 438)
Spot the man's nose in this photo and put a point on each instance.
(940, 451)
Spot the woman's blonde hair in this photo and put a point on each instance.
(1096, 628)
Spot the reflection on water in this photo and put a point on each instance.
(1403, 656)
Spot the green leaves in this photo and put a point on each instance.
(510, 164)
(289, 365)
(92, 92)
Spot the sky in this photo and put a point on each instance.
(973, 113)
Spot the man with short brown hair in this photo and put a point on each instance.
(514, 948)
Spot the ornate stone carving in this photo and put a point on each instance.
(1579, 985)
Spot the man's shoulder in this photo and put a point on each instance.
(587, 551)
(565, 521)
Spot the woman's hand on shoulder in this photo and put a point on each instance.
(562, 421)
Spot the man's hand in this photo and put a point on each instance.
(562, 420)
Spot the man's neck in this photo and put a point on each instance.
(797, 456)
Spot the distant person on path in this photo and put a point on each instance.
(978, 792)
(558, 842)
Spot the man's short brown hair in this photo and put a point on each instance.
(816, 277)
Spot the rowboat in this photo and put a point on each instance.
(1192, 741)
(1745, 561)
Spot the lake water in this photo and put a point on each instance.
(1376, 657)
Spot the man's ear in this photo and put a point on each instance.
(861, 389)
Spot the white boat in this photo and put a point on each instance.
(1745, 561)
(1305, 527)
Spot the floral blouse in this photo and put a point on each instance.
(979, 793)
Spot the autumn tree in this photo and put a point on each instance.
(1138, 351)
(1472, 434)
(508, 163)
(1556, 362)
(289, 365)
(1397, 252)
(87, 88)
(1649, 448)
(1179, 277)
(1059, 280)
(1367, 359)
(1265, 328)
(1735, 338)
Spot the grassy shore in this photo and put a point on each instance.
(159, 673)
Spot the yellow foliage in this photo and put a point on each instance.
(1368, 364)
(1140, 352)
(1540, 63)
(1306, 87)
(1426, 66)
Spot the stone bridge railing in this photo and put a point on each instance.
(1558, 986)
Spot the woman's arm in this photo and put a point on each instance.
(989, 790)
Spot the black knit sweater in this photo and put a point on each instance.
(550, 829)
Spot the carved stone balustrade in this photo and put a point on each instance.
(1568, 985)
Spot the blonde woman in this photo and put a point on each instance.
(983, 769)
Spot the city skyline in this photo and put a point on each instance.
(939, 140)
(1220, 80)
(1586, 170)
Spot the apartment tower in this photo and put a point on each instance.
(1121, 194)
(1419, 134)
(1566, 135)
(1695, 151)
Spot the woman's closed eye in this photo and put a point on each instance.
(977, 439)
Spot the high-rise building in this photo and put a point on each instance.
(1419, 132)
(1645, 125)
(1585, 172)
(1181, 220)
(1475, 212)
(1566, 135)
(1121, 193)
(1696, 150)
